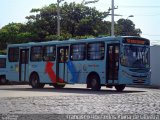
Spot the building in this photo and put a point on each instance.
(155, 62)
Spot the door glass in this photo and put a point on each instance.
(24, 57)
(116, 62)
(110, 64)
(113, 62)
(63, 55)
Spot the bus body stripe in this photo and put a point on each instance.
(73, 72)
(51, 73)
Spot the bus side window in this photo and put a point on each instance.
(2, 62)
(78, 52)
(95, 51)
(36, 53)
(13, 54)
(49, 53)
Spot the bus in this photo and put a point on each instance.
(3, 69)
(96, 62)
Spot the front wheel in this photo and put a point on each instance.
(95, 83)
(120, 88)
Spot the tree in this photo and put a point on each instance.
(81, 20)
(76, 20)
(8, 34)
(126, 27)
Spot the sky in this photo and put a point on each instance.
(146, 12)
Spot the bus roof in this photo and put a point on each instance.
(119, 38)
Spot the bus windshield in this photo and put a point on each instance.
(135, 56)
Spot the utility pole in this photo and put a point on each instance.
(58, 17)
(112, 18)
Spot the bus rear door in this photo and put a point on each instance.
(112, 63)
(62, 59)
(23, 64)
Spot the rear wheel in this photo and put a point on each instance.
(95, 83)
(120, 88)
(41, 85)
(34, 81)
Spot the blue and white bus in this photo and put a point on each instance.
(106, 61)
(3, 69)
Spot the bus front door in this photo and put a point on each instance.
(112, 63)
(23, 63)
(61, 70)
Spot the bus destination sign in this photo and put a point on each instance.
(136, 41)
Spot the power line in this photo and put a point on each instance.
(146, 15)
(151, 35)
(126, 6)
(149, 15)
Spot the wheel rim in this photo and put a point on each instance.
(34, 81)
(94, 82)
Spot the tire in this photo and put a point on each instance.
(58, 86)
(120, 88)
(41, 85)
(95, 83)
(35, 82)
(3, 80)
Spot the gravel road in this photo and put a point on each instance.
(82, 101)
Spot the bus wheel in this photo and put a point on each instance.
(34, 81)
(3, 80)
(95, 83)
(41, 85)
(58, 86)
(120, 88)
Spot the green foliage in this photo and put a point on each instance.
(126, 27)
(3, 52)
(8, 34)
(83, 37)
(77, 21)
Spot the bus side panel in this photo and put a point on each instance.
(12, 71)
(39, 68)
(84, 68)
(45, 70)
(2, 71)
(97, 66)
(76, 72)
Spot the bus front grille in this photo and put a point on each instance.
(139, 81)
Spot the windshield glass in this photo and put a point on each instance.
(135, 56)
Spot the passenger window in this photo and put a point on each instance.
(95, 51)
(36, 53)
(49, 53)
(78, 52)
(2, 63)
(13, 54)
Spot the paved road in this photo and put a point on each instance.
(76, 99)
(27, 91)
